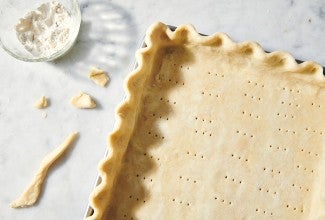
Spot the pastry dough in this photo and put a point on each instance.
(83, 100)
(41, 103)
(98, 76)
(30, 195)
(213, 129)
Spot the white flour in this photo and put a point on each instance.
(45, 30)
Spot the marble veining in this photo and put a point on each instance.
(110, 33)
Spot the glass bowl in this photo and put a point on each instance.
(10, 13)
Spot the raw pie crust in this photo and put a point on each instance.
(213, 129)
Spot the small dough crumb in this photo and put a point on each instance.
(83, 100)
(41, 103)
(44, 115)
(98, 76)
(30, 195)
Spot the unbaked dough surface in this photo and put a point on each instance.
(223, 131)
(30, 196)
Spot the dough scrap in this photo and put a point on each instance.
(83, 100)
(41, 103)
(98, 76)
(30, 195)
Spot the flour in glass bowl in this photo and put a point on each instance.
(45, 30)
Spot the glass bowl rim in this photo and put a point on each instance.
(58, 53)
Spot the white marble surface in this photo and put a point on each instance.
(110, 33)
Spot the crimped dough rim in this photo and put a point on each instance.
(126, 115)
